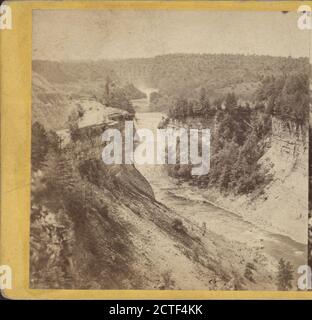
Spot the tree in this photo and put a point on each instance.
(190, 111)
(73, 124)
(181, 109)
(286, 96)
(285, 275)
(39, 145)
(107, 89)
(202, 97)
(230, 101)
(53, 139)
(204, 102)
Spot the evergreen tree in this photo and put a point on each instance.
(202, 97)
(204, 102)
(285, 275)
(230, 101)
(39, 145)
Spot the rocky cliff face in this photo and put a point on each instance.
(282, 207)
(286, 205)
(290, 140)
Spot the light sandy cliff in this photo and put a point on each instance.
(283, 206)
(286, 206)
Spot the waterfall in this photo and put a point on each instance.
(148, 92)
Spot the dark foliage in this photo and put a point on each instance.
(285, 275)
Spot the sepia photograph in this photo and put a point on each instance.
(169, 150)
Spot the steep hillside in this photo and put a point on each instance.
(51, 106)
(100, 227)
(288, 158)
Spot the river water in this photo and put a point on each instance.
(189, 204)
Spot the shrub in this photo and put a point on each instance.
(177, 224)
(248, 274)
(167, 281)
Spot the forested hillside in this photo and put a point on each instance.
(175, 75)
(239, 129)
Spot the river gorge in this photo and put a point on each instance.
(192, 206)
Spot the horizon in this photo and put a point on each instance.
(173, 54)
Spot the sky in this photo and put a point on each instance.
(64, 35)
